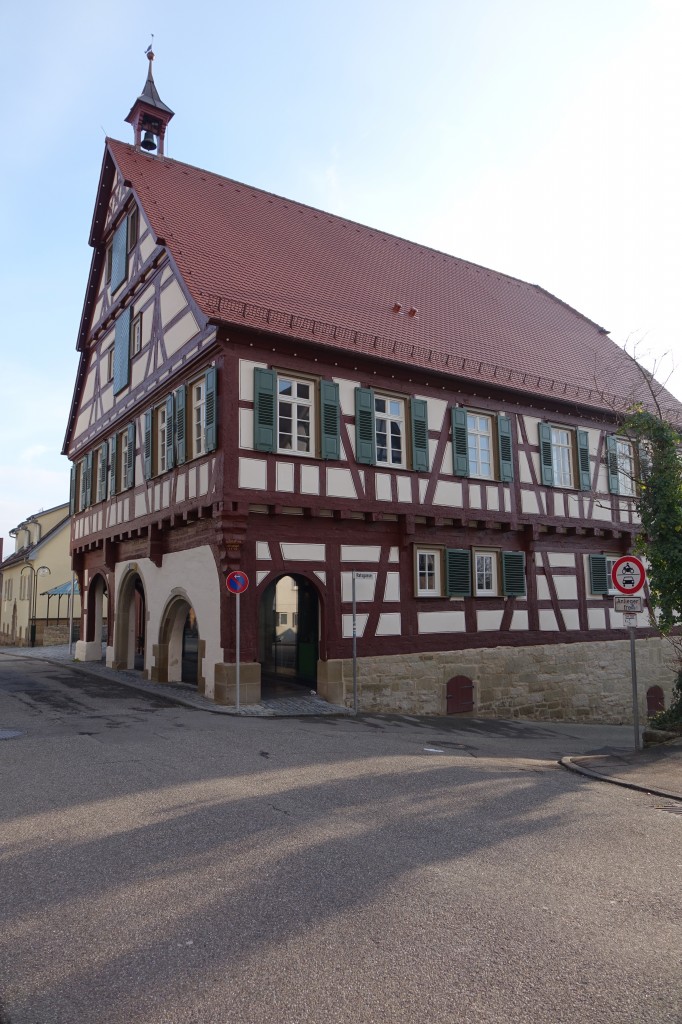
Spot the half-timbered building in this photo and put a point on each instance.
(267, 387)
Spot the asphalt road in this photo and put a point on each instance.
(161, 865)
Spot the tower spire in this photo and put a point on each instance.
(149, 114)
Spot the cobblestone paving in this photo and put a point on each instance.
(181, 693)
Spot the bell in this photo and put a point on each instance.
(148, 142)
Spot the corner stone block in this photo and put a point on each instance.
(225, 689)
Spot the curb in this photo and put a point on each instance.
(570, 765)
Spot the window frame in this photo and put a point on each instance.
(136, 335)
(435, 553)
(569, 448)
(311, 403)
(494, 556)
(490, 434)
(401, 418)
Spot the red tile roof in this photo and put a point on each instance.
(251, 257)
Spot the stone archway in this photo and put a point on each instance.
(95, 618)
(288, 633)
(131, 624)
(179, 653)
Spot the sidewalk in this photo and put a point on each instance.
(656, 770)
(182, 693)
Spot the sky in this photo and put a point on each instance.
(538, 139)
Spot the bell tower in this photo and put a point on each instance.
(149, 115)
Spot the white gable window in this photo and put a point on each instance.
(295, 406)
(389, 426)
(480, 445)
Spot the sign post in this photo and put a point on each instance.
(236, 583)
(628, 576)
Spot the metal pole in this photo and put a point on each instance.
(355, 649)
(34, 595)
(635, 702)
(71, 615)
(237, 652)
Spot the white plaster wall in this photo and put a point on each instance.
(340, 483)
(566, 587)
(196, 571)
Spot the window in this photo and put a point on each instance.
(479, 438)
(467, 573)
(122, 466)
(199, 417)
(285, 415)
(389, 426)
(429, 573)
(621, 465)
(564, 457)
(85, 474)
(136, 335)
(482, 445)
(295, 415)
(381, 434)
(485, 573)
(23, 588)
(8, 590)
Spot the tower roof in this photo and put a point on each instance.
(149, 97)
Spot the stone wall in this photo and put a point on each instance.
(582, 682)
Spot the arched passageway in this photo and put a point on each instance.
(288, 635)
(179, 651)
(131, 624)
(95, 631)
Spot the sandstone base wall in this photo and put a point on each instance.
(588, 682)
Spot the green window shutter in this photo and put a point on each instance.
(583, 442)
(119, 256)
(420, 435)
(599, 576)
(644, 456)
(130, 457)
(504, 447)
(148, 420)
(113, 464)
(87, 481)
(72, 489)
(265, 409)
(513, 574)
(460, 444)
(546, 460)
(458, 572)
(612, 465)
(122, 351)
(180, 424)
(211, 409)
(170, 431)
(330, 419)
(365, 433)
(102, 472)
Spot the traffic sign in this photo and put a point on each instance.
(627, 605)
(628, 575)
(237, 582)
